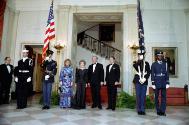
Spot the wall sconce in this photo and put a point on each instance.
(133, 45)
(60, 44)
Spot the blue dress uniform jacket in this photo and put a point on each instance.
(159, 74)
(50, 68)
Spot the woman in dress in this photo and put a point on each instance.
(80, 82)
(66, 82)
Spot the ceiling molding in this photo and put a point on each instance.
(100, 17)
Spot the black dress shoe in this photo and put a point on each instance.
(143, 113)
(93, 106)
(159, 113)
(83, 107)
(6, 103)
(108, 108)
(113, 109)
(21, 108)
(99, 107)
(139, 113)
(47, 107)
(163, 114)
(44, 107)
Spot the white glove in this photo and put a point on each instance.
(60, 84)
(47, 77)
(104, 83)
(143, 80)
(153, 86)
(16, 79)
(47, 58)
(116, 83)
(167, 86)
(101, 83)
(29, 79)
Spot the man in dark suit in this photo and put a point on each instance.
(112, 80)
(96, 79)
(6, 73)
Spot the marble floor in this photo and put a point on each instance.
(33, 115)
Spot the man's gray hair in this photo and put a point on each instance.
(96, 57)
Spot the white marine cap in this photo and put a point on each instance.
(25, 50)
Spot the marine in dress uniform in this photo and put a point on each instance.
(112, 80)
(160, 82)
(23, 78)
(142, 68)
(50, 69)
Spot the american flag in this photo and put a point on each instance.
(50, 31)
(140, 25)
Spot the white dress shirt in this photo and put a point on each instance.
(110, 67)
(24, 59)
(94, 66)
(160, 62)
(9, 68)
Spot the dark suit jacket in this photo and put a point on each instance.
(114, 74)
(97, 76)
(81, 76)
(5, 76)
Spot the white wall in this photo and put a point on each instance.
(97, 2)
(27, 5)
(31, 29)
(187, 34)
(167, 28)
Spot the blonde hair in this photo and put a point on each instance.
(67, 60)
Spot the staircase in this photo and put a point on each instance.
(98, 47)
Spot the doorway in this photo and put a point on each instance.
(35, 53)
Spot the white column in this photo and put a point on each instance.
(14, 35)
(129, 34)
(10, 32)
(5, 33)
(64, 31)
(187, 32)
